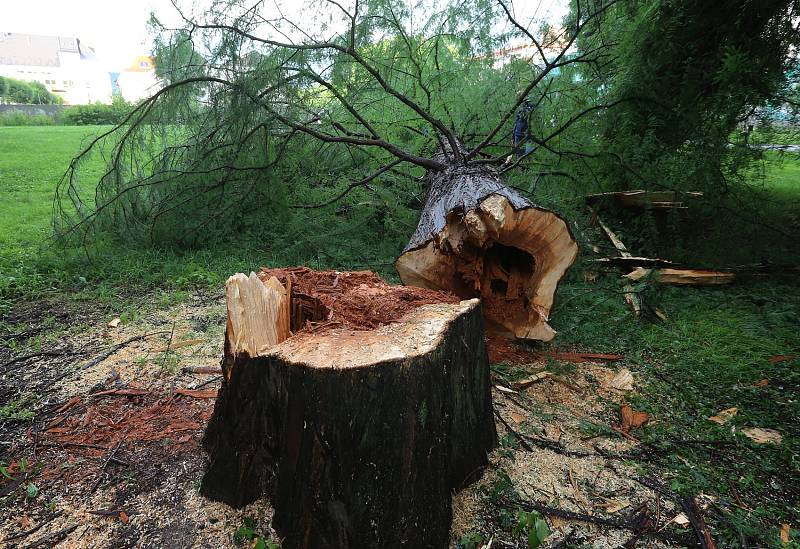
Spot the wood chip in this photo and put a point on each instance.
(505, 390)
(724, 416)
(114, 323)
(785, 534)
(763, 436)
(614, 506)
(535, 378)
(623, 381)
(179, 344)
(68, 404)
(681, 520)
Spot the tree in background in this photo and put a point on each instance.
(28, 93)
(686, 73)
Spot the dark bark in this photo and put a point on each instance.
(360, 453)
(458, 189)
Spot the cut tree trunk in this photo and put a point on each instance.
(356, 407)
(479, 238)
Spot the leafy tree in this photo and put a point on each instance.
(20, 91)
(685, 74)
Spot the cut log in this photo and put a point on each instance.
(478, 238)
(631, 262)
(684, 277)
(361, 424)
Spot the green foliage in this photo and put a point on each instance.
(247, 534)
(473, 540)
(533, 526)
(17, 410)
(19, 118)
(96, 114)
(685, 74)
(31, 490)
(26, 92)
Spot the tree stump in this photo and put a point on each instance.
(477, 237)
(360, 425)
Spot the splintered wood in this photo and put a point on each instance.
(512, 258)
(258, 313)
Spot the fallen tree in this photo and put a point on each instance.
(358, 408)
(382, 97)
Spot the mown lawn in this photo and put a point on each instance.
(733, 346)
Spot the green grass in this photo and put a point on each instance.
(32, 160)
(707, 356)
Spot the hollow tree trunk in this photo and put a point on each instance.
(477, 237)
(358, 436)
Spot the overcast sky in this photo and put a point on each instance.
(118, 28)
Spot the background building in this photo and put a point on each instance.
(137, 81)
(65, 65)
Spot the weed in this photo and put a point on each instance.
(247, 533)
(17, 410)
(532, 526)
(472, 540)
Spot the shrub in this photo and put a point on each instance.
(96, 113)
(29, 93)
(19, 118)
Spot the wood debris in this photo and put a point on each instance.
(763, 436)
(179, 344)
(684, 277)
(645, 200)
(623, 381)
(632, 419)
(211, 393)
(724, 416)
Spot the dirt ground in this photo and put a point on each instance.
(113, 458)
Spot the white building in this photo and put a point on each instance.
(139, 80)
(66, 66)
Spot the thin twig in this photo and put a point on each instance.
(105, 464)
(27, 533)
(36, 355)
(594, 519)
(48, 539)
(511, 430)
(207, 382)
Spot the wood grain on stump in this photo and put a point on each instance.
(360, 425)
